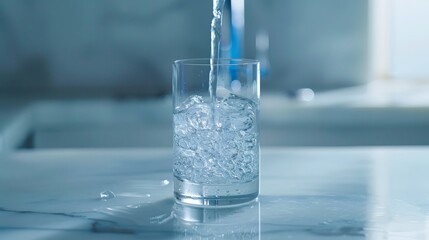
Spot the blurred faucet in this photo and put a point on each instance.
(233, 36)
(233, 29)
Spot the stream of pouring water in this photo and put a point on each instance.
(216, 36)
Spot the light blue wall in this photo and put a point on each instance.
(54, 45)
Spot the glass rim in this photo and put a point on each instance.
(218, 62)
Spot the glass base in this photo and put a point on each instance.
(189, 193)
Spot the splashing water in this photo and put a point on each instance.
(223, 151)
(106, 195)
(165, 182)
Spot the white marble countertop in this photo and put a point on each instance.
(306, 193)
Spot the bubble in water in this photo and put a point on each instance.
(199, 116)
(219, 151)
(189, 102)
(230, 151)
(198, 163)
(188, 153)
(236, 86)
(186, 143)
(106, 195)
(248, 157)
(235, 103)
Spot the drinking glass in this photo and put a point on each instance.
(216, 131)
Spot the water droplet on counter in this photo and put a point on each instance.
(133, 206)
(106, 195)
(165, 182)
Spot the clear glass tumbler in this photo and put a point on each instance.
(242, 222)
(216, 131)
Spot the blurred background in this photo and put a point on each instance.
(97, 73)
(125, 47)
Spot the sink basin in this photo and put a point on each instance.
(99, 124)
(125, 124)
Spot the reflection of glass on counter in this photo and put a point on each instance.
(241, 222)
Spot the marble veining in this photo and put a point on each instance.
(311, 193)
